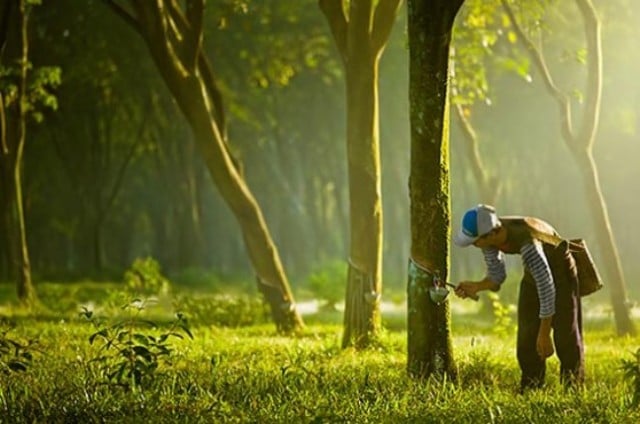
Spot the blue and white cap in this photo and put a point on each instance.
(476, 223)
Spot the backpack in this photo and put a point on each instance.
(589, 280)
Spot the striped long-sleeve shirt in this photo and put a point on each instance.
(536, 262)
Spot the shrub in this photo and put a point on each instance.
(131, 350)
(144, 278)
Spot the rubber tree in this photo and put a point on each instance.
(430, 25)
(173, 33)
(361, 33)
(580, 140)
(14, 104)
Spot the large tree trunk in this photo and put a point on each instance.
(429, 338)
(580, 140)
(174, 39)
(360, 40)
(362, 306)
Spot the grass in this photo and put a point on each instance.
(251, 374)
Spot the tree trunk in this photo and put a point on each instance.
(362, 305)
(429, 337)
(608, 248)
(360, 39)
(179, 58)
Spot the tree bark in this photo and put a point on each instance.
(360, 38)
(174, 41)
(430, 25)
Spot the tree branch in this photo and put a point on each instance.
(472, 144)
(383, 20)
(209, 79)
(334, 13)
(489, 185)
(538, 59)
(206, 71)
(193, 41)
(593, 91)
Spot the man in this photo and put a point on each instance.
(548, 299)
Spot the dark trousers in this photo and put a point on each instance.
(566, 323)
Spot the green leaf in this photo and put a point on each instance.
(15, 365)
(102, 333)
(186, 330)
(143, 352)
(141, 338)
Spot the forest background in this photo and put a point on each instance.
(138, 263)
(113, 174)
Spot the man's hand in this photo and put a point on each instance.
(470, 289)
(467, 289)
(544, 345)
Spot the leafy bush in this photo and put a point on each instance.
(328, 283)
(144, 278)
(131, 350)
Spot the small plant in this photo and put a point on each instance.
(144, 278)
(131, 350)
(631, 370)
(15, 355)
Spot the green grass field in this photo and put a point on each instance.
(250, 374)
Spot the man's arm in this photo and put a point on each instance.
(496, 274)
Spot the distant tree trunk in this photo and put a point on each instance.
(429, 337)
(14, 47)
(174, 38)
(488, 185)
(360, 38)
(581, 143)
(190, 238)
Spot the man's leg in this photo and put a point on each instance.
(531, 365)
(567, 321)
